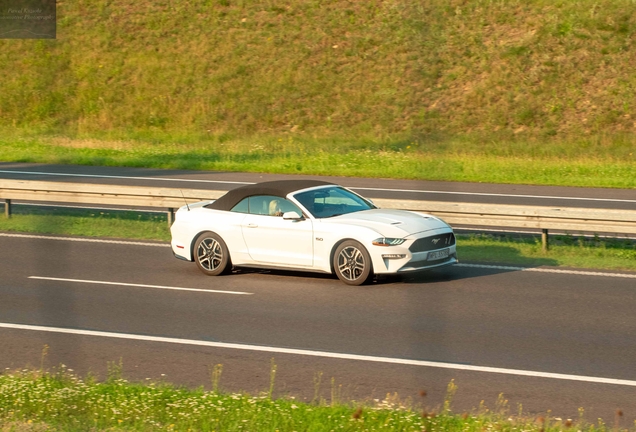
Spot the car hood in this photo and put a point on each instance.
(390, 223)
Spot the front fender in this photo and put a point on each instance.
(329, 236)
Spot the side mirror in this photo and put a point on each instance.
(292, 215)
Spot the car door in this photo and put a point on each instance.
(272, 239)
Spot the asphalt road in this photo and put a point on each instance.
(372, 188)
(546, 340)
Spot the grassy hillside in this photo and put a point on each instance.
(534, 79)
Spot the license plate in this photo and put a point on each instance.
(435, 255)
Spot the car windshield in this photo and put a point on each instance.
(332, 201)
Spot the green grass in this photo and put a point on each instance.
(87, 223)
(37, 400)
(372, 69)
(459, 160)
(565, 251)
(537, 92)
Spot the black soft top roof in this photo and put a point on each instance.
(280, 188)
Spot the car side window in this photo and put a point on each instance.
(270, 205)
(241, 207)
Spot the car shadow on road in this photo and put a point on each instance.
(473, 268)
(501, 259)
(282, 272)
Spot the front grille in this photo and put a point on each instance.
(432, 243)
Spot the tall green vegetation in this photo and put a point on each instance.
(375, 68)
(536, 80)
(33, 401)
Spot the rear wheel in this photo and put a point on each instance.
(211, 254)
(352, 263)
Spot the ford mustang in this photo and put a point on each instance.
(309, 225)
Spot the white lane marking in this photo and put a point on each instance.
(545, 270)
(123, 177)
(311, 353)
(351, 187)
(136, 210)
(500, 195)
(139, 285)
(81, 239)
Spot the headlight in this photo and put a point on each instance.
(384, 241)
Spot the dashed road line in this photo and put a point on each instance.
(94, 282)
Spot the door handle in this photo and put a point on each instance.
(252, 225)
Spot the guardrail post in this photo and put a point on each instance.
(7, 208)
(544, 240)
(170, 216)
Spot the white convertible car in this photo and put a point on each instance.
(312, 226)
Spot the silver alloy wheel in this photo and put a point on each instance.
(210, 254)
(351, 263)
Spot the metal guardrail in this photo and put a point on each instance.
(472, 214)
(572, 219)
(84, 193)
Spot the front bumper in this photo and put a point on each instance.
(413, 266)
(417, 253)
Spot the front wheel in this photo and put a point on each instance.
(211, 254)
(352, 263)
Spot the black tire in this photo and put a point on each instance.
(211, 254)
(352, 263)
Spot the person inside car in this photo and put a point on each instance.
(274, 208)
